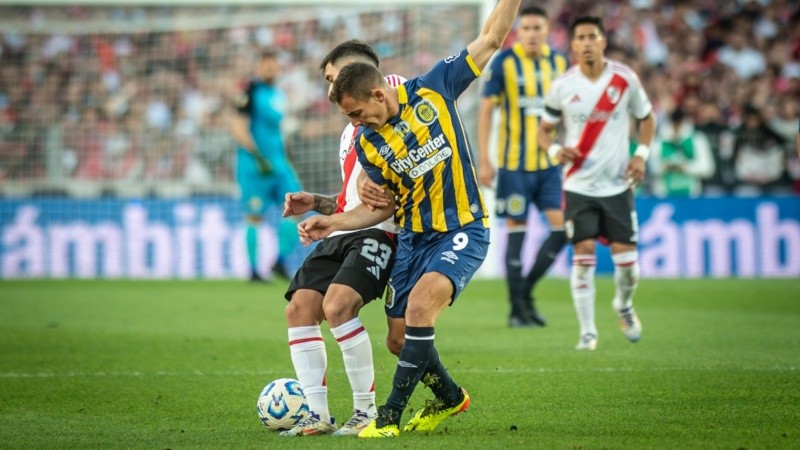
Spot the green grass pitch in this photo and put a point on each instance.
(168, 364)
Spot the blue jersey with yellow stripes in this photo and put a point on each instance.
(423, 153)
(518, 84)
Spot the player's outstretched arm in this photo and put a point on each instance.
(320, 227)
(494, 32)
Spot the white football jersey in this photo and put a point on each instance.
(603, 108)
(351, 169)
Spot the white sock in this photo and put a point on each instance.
(356, 349)
(310, 363)
(626, 278)
(583, 291)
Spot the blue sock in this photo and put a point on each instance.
(412, 363)
(251, 236)
(287, 238)
(547, 254)
(439, 381)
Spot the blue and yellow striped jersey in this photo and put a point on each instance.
(423, 154)
(518, 85)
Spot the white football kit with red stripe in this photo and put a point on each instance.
(351, 168)
(596, 116)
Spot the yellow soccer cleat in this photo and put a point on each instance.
(434, 413)
(372, 431)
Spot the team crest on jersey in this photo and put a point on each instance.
(452, 58)
(255, 203)
(569, 228)
(402, 128)
(388, 295)
(425, 112)
(613, 94)
(515, 204)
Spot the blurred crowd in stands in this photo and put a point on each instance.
(142, 94)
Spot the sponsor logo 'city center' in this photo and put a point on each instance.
(423, 159)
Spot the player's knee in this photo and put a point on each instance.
(292, 312)
(340, 307)
(302, 313)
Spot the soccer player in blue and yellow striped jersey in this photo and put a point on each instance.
(414, 143)
(516, 83)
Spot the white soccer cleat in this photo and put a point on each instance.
(358, 422)
(630, 325)
(311, 426)
(587, 342)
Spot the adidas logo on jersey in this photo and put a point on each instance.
(375, 270)
(575, 99)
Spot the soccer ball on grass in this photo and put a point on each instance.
(281, 404)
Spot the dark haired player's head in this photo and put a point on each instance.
(533, 10)
(532, 30)
(268, 66)
(356, 80)
(586, 20)
(354, 50)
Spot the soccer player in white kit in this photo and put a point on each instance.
(343, 273)
(595, 100)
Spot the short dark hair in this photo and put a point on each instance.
(356, 80)
(350, 49)
(586, 20)
(533, 10)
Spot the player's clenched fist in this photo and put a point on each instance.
(314, 229)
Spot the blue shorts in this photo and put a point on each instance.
(259, 192)
(516, 189)
(455, 254)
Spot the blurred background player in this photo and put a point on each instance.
(516, 83)
(263, 172)
(342, 274)
(595, 101)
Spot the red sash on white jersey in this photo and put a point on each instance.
(349, 163)
(598, 119)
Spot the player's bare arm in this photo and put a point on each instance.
(637, 164)
(564, 155)
(372, 194)
(494, 32)
(297, 203)
(320, 227)
(240, 130)
(486, 172)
